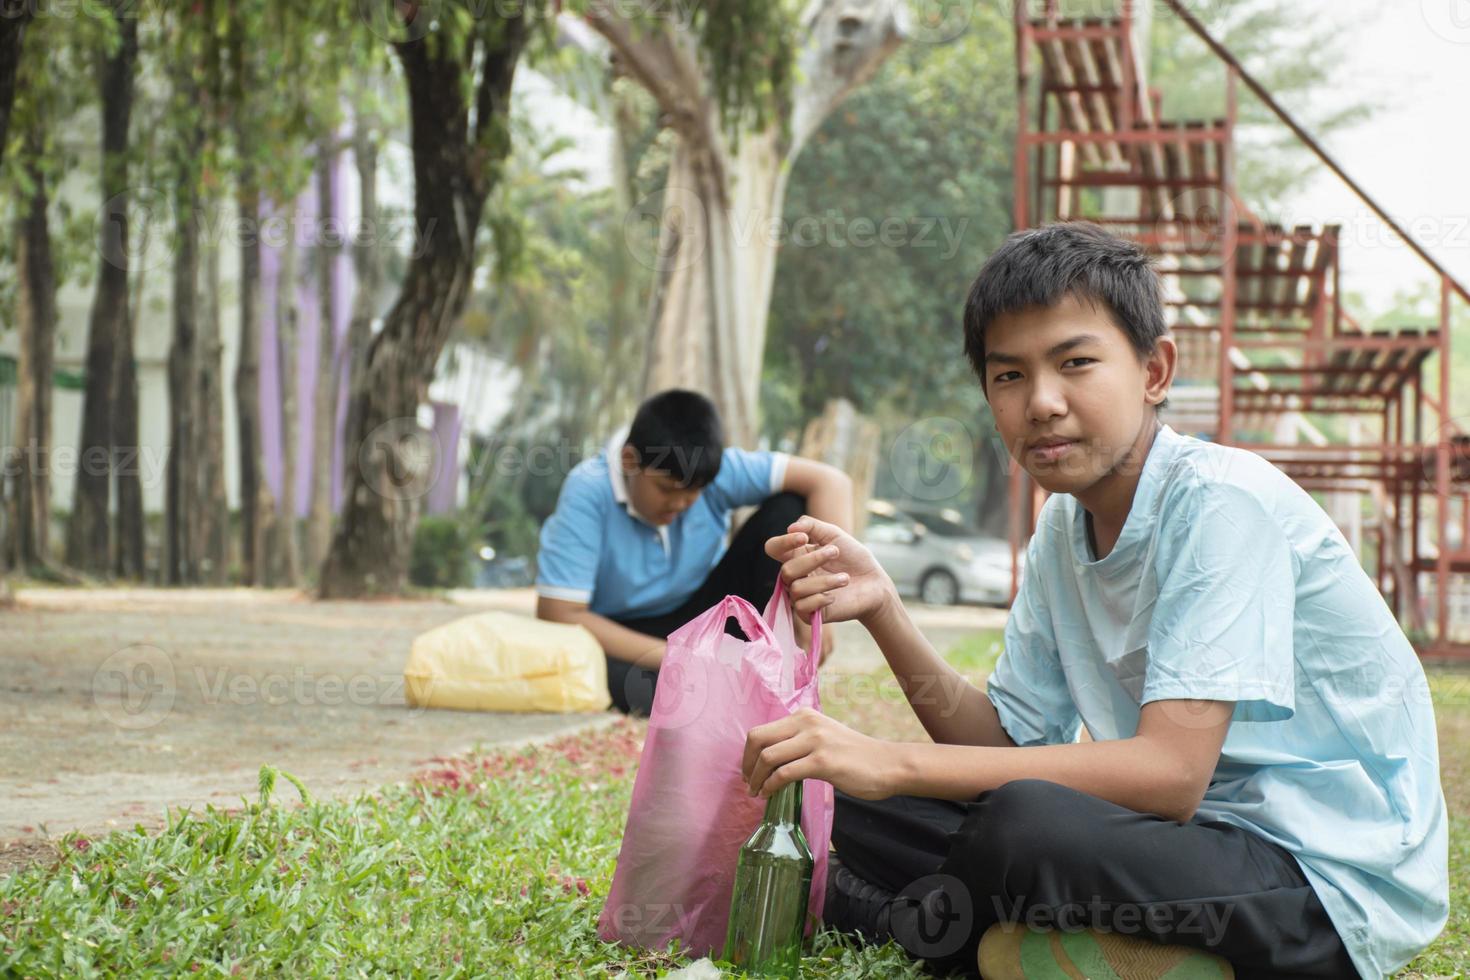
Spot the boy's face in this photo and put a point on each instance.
(656, 494)
(1068, 372)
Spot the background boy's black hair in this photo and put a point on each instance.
(679, 432)
(1041, 266)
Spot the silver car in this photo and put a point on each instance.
(936, 557)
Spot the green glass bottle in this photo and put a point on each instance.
(772, 882)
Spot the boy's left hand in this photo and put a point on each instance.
(808, 745)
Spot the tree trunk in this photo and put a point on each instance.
(324, 410)
(843, 438)
(255, 500)
(36, 318)
(455, 166)
(368, 275)
(992, 487)
(627, 327)
(88, 546)
(256, 505)
(213, 510)
(14, 16)
(721, 213)
(128, 561)
(180, 505)
(287, 355)
(714, 270)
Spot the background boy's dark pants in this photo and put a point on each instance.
(1037, 853)
(744, 570)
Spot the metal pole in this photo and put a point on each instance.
(1381, 564)
(1125, 102)
(1229, 244)
(1398, 506)
(1417, 475)
(1014, 488)
(1442, 471)
(1022, 183)
(1021, 187)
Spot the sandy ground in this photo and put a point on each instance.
(118, 704)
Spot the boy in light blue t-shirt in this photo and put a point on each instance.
(1260, 790)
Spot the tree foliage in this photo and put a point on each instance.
(1295, 53)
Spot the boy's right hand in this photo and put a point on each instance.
(826, 568)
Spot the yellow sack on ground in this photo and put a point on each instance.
(500, 661)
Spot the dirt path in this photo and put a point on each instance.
(117, 704)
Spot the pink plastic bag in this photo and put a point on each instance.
(691, 810)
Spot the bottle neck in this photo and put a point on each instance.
(785, 806)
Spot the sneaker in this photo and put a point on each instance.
(854, 905)
(1018, 953)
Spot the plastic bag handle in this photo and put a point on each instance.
(780, 598)
(750, 621)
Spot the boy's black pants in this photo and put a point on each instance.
(744, 570)
(1036, 853)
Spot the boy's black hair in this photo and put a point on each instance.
(1041, 266)
(679, 432)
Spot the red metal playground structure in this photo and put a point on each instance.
(1091, 144)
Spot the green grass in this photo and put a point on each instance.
(492, 865)
(977, 653)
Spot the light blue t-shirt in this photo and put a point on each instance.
(596, 549)
(1229, 582)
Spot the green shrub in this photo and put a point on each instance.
(441, 554)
